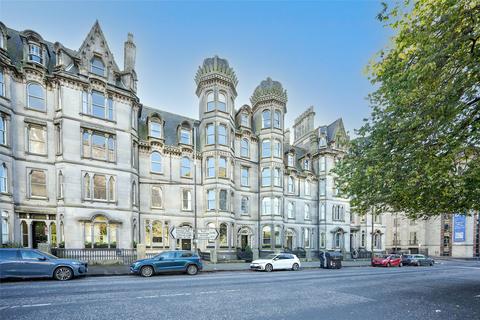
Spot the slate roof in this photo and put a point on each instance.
(171, 123)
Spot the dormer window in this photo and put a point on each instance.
(35, 53)
(155, 129)
(97, 67)
(306, 164)
(290, 160)
(322, 142)
(244, 119)
(185, 136)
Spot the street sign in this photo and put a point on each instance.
(207, 234)
(182, 232)
(459, 222)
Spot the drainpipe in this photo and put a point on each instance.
(259, 208)
(195, 240)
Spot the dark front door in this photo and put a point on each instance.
(39, 231)
(290, 242)
(244, 241)
(186, 244)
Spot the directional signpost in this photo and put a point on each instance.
(182, 232)
(207, 234)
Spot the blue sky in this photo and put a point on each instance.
(318, 50)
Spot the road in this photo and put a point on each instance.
(450, 290)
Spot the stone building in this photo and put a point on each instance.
(85, 165)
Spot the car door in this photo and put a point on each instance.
(181, 260)
(10, 263)
(35, 264)
(165, 262)
(284, 261)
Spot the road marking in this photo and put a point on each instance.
(1, 308)
(36, 305)
(477, 296)
(478, 268)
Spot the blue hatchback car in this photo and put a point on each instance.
(168, 261)
(31, 263)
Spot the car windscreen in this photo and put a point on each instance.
(48, 255)
(271, 256)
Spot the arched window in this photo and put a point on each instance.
(291, 185)
(86, 185)
(363, 240)
(244, 119)
(100, 233)
(222, 102)
(306, 212)
(60, 185)
(156, 162)
(155, 128)
(290, 210)
(3, 178)
(3, 127)
(277, 149)
(223, 235)
(210, 101)
(266, 148)
(278, 237)
(377, 240)
(5, 226)
(222, 134)
(277, 119)
(210, 133)
(244, 148)
(186, 167)
(134, 193)
(266, 177)
(35, 53)
(97, 67)
(244, 205)
(322, 211)
(111, 189)
(338, 239)
(186, 199)
(185, 135)
(277, 181)
(111, 149)
(157, 197)
(266, 205)
(323, 239)
(266, 119)
(266, 237)
(276, 206)
(36, 96)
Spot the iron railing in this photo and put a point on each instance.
(123, 256)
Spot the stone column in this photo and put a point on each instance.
(29, 230)
(141, 251)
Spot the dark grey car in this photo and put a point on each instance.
(31, 263)
(419, 260)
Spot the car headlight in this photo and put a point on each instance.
(77, 263)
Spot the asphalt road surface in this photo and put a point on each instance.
(450, 290)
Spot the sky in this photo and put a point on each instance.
(318, 50)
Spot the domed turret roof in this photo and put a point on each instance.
(216, 67)
(267, 90)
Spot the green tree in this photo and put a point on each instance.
(419, 150)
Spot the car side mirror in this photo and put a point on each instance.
(275, 259)
(42, 258)
(160, 258)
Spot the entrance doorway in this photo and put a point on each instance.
(39, 231)
(290, 242)
(186, 244)
(243, 241)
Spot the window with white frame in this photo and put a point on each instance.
(37, 138)
(244, 148)
(377, 240)
(222, 134)
(222, 167)
(306, 164)
(98, 145)
(306, 212)
(276, 206)
(322, 141)
(307, 187)
(155, 128)
(134, 193)
(36, 96)
(244, 205)
(211, 199)
(222, 102)
(5, 226)
(266, 119)
(187, 199)
(210, 101)
(210, 167)
(322, 186)
(134, 119)
(277, 122)
(291, 185)
(266, 177)
(277, 148)
(97, 66)
(267, 205)
(338, 239)
(322, 164)
(3, 178)
(291, 210)
(266, 237)
(35, 53)
(157, 197)
(306, 238)
(2, 81)
(99, 187)
(244, 119)
(156, 162)
(277, 177)
(266, 148)
(222, 199)
(244, 176)
(322, 211)
(102, 107)
(186, 167)
(38, 183)
(185, 136)
(323, 239)
(3, 130)
(291, 160)
(60, 185)
(210, 133)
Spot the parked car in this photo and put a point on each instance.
(418, 260)
(388, 260)
(168, 261)
(281, 261)
(31, 263)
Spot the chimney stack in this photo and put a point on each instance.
(129, 54)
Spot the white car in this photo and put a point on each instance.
(280, 261)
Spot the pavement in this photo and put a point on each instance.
(117, 270)
(450, 290)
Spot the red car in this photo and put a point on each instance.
(388, 260)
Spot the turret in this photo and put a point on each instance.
(129, 54)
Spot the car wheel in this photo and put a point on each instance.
(146, 271)
(269, 268)
(431, 264)
(295, 267)
(63, 273)
(400, 265)
(192, 270)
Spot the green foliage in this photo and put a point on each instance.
(419, 151)
(11, 245)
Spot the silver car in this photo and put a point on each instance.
(31, 263)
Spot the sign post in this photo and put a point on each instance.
(207, 234)
(182, 233)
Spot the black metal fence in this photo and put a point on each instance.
(122, 256)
